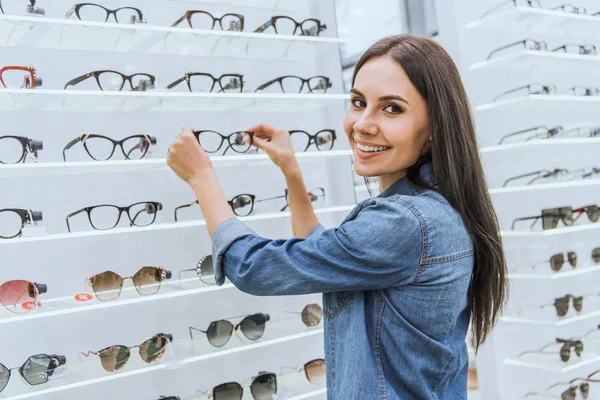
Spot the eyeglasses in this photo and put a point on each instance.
(262, 387)
(592, 211)
(570, 8)
(574, 48)
(532, 89)
(114, 358)
(102, 148)
(108, 284)
(97, 13)
(515, 3)
(561, 304)
(313, 370)
(107, 216)
(537, 175)
(294, 84)
(288, 26)
(13, 220)
(558, 260)
(204, 270)
(115, 81)
(538, 132)
(571, 392)
(197, 19)
(14, 149)
(583, 91)
(20, 296)
(35, 370)
(550, 218)
(212, 141)
(219, 332)
(527, 44)
(30, 8)
(583, 132)
(11, 77)
(323, 140)
(311, 315)
(205, 83)
(565, 350)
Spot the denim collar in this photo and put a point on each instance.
(403, 186)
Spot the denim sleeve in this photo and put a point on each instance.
(378, 247)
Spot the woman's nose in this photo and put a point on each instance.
(365, 125)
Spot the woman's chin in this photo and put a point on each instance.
(364, 171)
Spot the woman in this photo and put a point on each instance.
(407, 270)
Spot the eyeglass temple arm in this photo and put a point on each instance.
(72, 215)
(180, 20)
(266, 84)
(70, 12)
(186, 270)
(532, 307)
(77, 80)
(191, 328)
(522, 176)
(524, 219)
(504, 48)
(511, 91)
(184, 206)
(177, 82)
(264, 26)
(89, 353)
(145, 141)
(71, 144)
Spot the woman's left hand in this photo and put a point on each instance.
(187, 158)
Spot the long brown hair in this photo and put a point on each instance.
(456, 164)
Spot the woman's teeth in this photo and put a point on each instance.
(371, 149)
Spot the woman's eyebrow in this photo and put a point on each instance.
(384, 98)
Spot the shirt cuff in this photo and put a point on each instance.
(226, 233)
(316, 231)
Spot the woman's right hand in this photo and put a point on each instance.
(277, 144)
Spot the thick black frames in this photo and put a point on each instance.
(294, 84)
(147, 209)
(94, 12)
(212, 141)
(106, 78)
(201, 82)
(95, 145)
(323, 139)
(550, 218)
(308, 27)
(18, 218)
(36, 370)
(14, 149)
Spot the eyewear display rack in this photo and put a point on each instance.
(69, 319)
(559, 110)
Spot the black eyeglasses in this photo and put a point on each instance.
(537, 175)
(262, 387)
(570, 8)
(115, 81)
(102, 148)
(550, 218)
(565, 349)
(515, 3)
(97, 13)
(219, 332)
(35, 370)
(212, 141)
(288, 26)
(198, 19)
(107, 216)
(14, 149)
(294, 84)
(531, 89)
(14, 9)
(574, 48)
(537, 132)
(13, 220)
(323, 140)
(205, 83)
(527, 44)
(204, 270)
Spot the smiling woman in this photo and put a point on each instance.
(407, 271)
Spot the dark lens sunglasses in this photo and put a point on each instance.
(219, 332)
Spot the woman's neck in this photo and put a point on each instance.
(385, 181)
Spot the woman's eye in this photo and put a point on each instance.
(394, 109)
(358, 103)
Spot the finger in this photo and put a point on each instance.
(263, 130)
(262, 144)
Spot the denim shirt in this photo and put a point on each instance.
(395, 277)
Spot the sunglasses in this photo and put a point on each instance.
(107, 216)
(527, 44)
(565, 350)
(311, 314)
(558, 260)
(20, 296)
(212, 141)
(532, 89)
(114, 358)
(198, 19)
(35, 370)
(294, 84)
(30, 8)
(592, 211)
(561, 305)
(323, 140)
(13, 220)
(97, 13)
(537, 175)
(262, 387)
(102, 148)
(108, 285)
(550, 218)
(288, 26)
(219, 332)
(204, 270)
(571, 392)
(314, 371)
(14, 149)
(11, 77)
(538, 132)
(115, 81)
(202, 82)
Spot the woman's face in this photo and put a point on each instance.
(386, 123)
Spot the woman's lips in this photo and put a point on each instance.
(365, 155)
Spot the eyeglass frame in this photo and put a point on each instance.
(27, 217)
(560, 216)
(312, 139)
(75, 10)
(164, 275)
(530, 3)
(246, 383)
(538, 46)
(582, 48)
(186, 77)
(272, 22)
(566, 347)
(203, 261)
(541, 174)
(235, 327)
(30, 82)
(566, 298)
(28, 146)
(150, 140)
(157, 207)
(279, 79)
(125, 78)
(32, 9)
(188, 16)
(549, 132)
(544, 90)
(576, 9)
(57, 361)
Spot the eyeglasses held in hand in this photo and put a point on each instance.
(14, 149)
(11, 77)
(532, 89)
(288, 26)
(295, 84)
(212, 141)
(574, 48)
(537, 132)
(561, 304)
(262, 387)
(198, 19)
(537, 175)
(565, 349)
(311, 315)
(115, 81)
(550, 218)
(202, 82)
(527, 44)
(10, 7)
(204, 270)
(20, 296)
(36, 370)
(323, 140)
(102, 148)
(97, 13)
(515, 3)
(114, 358)
(107, 216)
(13, 220)
(219, 332)
(314, 371)
(108, 284)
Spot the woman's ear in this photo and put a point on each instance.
(426, 148)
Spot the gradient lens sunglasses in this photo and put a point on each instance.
(219, 332)
(108, 284)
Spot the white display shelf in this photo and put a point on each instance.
(552, 232)
(159, 100)
(320, 394)
(559, 142)
(280, 5)
(566, 368)
(539, 102)
(540, 187)
(539, 20)
(158, 227)
(556, 323)
(547, 61)
(73, 34)
(81, 374)
(101, 167)
(569, 272)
